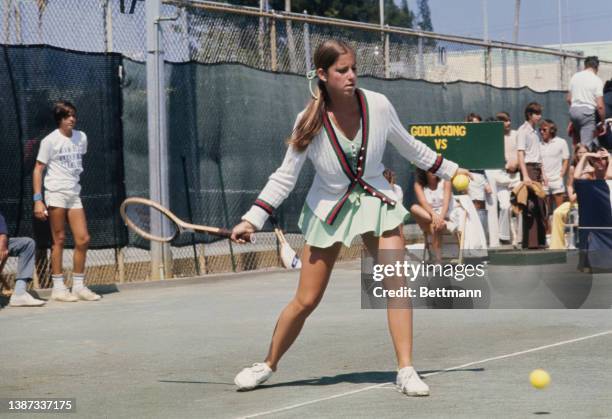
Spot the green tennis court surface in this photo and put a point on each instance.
(172, 349)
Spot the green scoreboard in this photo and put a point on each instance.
(472, 145)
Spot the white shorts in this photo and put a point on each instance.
(554, 186)
(68, 200)
(476, 189)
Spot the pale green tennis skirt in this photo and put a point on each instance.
(361, 213)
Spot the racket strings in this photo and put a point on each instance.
(151, 221)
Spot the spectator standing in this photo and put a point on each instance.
(530, 163)
(585, 97)
(555, 161)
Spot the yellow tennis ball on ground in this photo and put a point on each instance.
(539, 378)
(461, 182)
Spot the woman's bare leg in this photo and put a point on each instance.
(399, 319)
(316, 269)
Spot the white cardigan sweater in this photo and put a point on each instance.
(334, 179)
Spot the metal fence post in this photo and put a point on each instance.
(273, 44)
(121, 264)
(307, 45)
(386, 52)
(504, 68)
(421, 63)
(157, 137)
(517, 78)
(291, 47)
(562, 72)
(488, 64)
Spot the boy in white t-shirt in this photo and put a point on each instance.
(555, 162)
(61, 154)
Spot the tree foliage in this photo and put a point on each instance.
(424, 15)
(357, 10)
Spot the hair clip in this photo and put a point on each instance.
(311, 75)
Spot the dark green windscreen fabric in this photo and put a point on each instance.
(32, 78)
(229, 124)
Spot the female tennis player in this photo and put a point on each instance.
(343, 131)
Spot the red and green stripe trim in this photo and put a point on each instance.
(264, 206)
(365, 128)
(437, 164)
(331, 134)
(331, 217)
(371, 190)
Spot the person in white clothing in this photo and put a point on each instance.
(506, 180)
(555, 161)
(435, 210)
(585, 97)
(390, 176)
(479, 189)
(530, 162)
(61, 156)
(349, 197)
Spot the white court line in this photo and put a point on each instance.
(482, 361)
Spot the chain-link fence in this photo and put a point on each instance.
(212, 33)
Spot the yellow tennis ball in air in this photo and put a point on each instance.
(461, 182)
(539, 378)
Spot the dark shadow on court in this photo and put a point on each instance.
(367, 377)
(194, 382)
(104, 289)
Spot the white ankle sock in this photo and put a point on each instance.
(20, 286)
(77, 282)
(58, 282)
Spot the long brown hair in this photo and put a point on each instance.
(312, 119)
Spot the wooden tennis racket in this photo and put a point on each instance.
(289, 257)
(141, 215)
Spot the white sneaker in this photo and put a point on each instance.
(409, 383)
(251, 377)
(63, 296)
(86, 294)
(25, 300)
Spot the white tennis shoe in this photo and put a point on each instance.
(86, 294)
(63, 295)
(409, 383)
(25, 300)
(251, 377)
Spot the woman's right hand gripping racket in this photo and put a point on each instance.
(152, 221)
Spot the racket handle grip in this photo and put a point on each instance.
(228, 233)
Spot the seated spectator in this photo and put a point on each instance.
(479, 186)
(434, 211)
(23, 248)
(561, 213)
(598, 161)
(605, 140)
(390, 176)
(506, 180)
